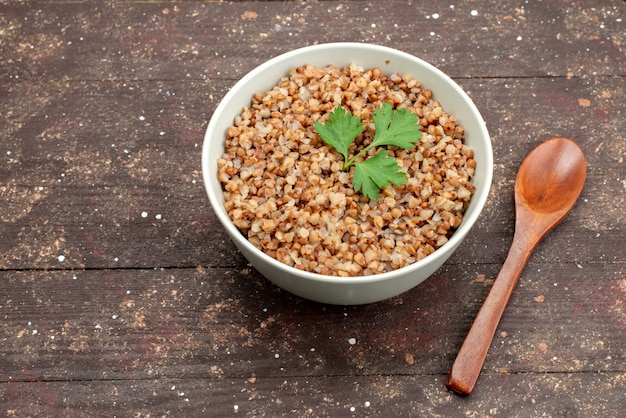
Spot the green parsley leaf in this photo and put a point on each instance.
(340, 130)
(377, 172)
(399, 127)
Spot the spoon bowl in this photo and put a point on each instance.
(550, 179)
(547, 186)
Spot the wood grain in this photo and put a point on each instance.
(121, 295)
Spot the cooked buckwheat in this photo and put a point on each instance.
(285, 189)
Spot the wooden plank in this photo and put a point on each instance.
(81, 170)
(217, 322)
(535, 394)
(224, 40)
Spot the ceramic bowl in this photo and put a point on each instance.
(361, 289)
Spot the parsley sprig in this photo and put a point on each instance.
(393, 127)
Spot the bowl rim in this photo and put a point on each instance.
(478, 199)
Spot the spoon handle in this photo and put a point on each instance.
(471, 356)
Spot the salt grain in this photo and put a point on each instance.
(474, 12)
(144, 214)
(352, 341)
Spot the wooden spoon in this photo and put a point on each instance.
(548, 184)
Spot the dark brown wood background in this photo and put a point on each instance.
(120, 294)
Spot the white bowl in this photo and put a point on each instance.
(361, 289)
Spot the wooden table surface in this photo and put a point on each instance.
(121, 295)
